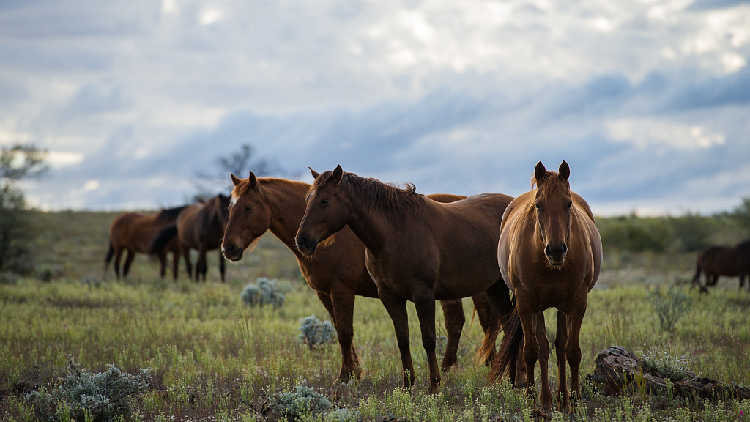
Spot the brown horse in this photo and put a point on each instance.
(199, 226)
(716, 261)
(133, 232)
(550, 255)
(418, 249)
(337, 272)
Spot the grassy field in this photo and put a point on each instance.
(211, 357)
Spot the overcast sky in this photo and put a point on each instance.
(648, 101)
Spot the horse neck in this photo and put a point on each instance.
(286, 200)
(371, 225)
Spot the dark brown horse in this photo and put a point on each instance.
(715, 261)
(336, 272)
(418, 249)
(134, 232)
(201, 227)
(550, 255)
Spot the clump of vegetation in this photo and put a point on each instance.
(262, 292)
(315, 332)
(303, 401)
(669, 306)
(675, 368)
(82, 396)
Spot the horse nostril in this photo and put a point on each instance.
(564, 248)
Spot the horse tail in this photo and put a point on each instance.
(508, 348)
(487, 350)
(162, 239)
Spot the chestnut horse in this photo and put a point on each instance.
(716, 261)
(199, 226)
(133, 232)
(418, 249)
(550, 255)
(337, 272)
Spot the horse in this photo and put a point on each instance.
(716, 261)
(337, 272)
(133, 232)
(199, 226)
(550, 256)
(417, 249)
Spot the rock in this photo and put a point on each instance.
(618, 370)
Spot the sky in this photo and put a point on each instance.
(648, 101)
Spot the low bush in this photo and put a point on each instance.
(301, 402)
(263, 292)
(315, 332)
(82, 396)
(669, 306)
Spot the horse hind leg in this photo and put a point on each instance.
(453, 311)
(128, 262)
(222, 266)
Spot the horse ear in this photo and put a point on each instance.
(253, 180)
(338, 173)
(564, 171)
(539, 172)
(236, 180)
(314, 173)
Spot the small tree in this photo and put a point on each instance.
(239, 163)
(16, 163)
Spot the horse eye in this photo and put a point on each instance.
(324, 202)
(248, 209)
(538, 207)
(570, 204)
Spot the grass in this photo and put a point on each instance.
(213, 358)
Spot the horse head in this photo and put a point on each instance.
(553, 206)
(328, 209)
(249, 217)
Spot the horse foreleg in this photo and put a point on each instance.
(222, 266)
(542, 341)
(396, 308)
(203, 263)
(128, 261)
(561, 340)
(342, 311)
(573, 349)
(424, 301)
(530, 346)
(453, 311)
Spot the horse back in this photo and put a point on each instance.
(720, 260)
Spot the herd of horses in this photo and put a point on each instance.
(356, 236)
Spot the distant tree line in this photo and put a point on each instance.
(686, 233)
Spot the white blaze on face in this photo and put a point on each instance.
(234, 199)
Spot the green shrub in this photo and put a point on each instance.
(264, 292)
(669, 306)
(89, 397)
(315, 332)
(303, 401)
(676, 368)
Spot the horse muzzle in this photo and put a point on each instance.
(232, 252)
(306, 245)
(556, 254)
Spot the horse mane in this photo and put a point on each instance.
(170, 213)
(394, 201)
(547, 188)
(244, 186)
